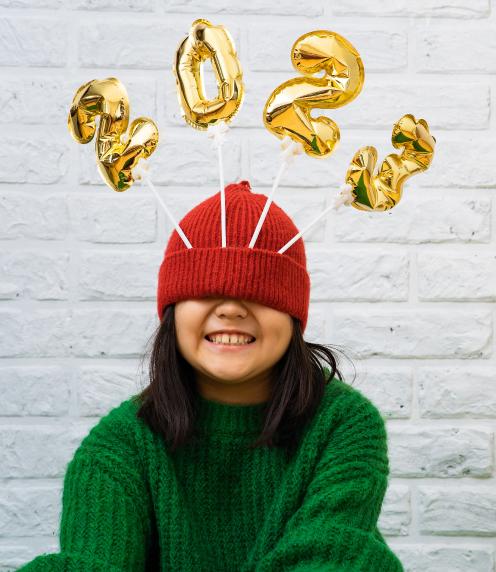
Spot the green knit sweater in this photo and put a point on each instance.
(214, 506)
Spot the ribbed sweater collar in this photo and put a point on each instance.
(216, 418)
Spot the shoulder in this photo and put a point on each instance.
(115, 424)
(115, 437)
(111, 453)
(346, 407)
(351, 427)
(338, 391)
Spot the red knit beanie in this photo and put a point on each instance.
(260, 274)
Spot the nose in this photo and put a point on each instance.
(231, 308)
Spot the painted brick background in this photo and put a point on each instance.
(409, 295)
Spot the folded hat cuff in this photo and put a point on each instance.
(260, 275)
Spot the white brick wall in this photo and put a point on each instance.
(409, 294)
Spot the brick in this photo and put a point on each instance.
(434, 556)
(455, 276)
(39, 390)
(114, 5)
(31, 510)
(35, 275)
(111, 333)
(23, 42)
(441, 452)
(414, 333)
(456, 392)
(47, 448)
(422, 216)
(52, 327)
(276, 7)
(35, 216)
(43, 159)
(110, 217)
(390, 388)
(111, 275)
(395, 517)
(100, 388)
(457, 511)
(360, 275)
(403, 8)
(438, 49)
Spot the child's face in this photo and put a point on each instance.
(228, 373)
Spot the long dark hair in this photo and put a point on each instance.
(168, 404)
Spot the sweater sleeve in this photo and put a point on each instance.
(335, 527)
(105, 515)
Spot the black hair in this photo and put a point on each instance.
(168, 403)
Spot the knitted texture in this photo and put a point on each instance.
(214, 505)
(260, 274)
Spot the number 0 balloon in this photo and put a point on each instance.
(206, 41)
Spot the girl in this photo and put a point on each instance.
(244, 453)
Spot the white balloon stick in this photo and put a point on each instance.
(290, 150)
(217, 133)
(268, 202)
(345, 197)
(143, 174)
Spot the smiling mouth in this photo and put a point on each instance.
(233, 345)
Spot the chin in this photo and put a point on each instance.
(228, 375)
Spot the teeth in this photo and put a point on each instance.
(234, 339)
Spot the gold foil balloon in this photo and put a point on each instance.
(287, 111)
(116, 158)
(206, 41)
(382, 191)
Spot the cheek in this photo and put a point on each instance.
(187, 339)
(276, 341)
